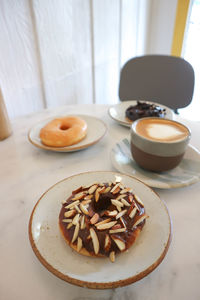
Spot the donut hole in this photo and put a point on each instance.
(64, 127)
(103, 204)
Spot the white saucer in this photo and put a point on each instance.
(187, 173)
(117, 112)
(141, 258)
(96, 130)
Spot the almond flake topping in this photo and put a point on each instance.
(88, 197)
(112, 256)
(111, 213)
(116, 186)
(94, 219)
(126, 190)
(119, 208)
(125, 202)
(116, 190)
(107, 243)
(117, 230)
(95, 240)
(76, 219)
(97, 196)
(84, 209)
(120, 244)
(133, 212)
(117, 203)
(79, 244)
(84, 202)
(78, 196)
(106, 190)
(103, 222)
(70, 213)
(142, 218)
(76, 231)
(72, 204)
(69, 225)
(83, 225)
(92, 189)
(106, 225)
(66, 220)
(139, 200)
(121, 213)
(77, 209)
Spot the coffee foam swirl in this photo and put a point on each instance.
(161, 130)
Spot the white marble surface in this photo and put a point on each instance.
(26, 172)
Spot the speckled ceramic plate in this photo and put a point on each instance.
(187, 173)
(96, 130)
(142, 258)
(117, 112)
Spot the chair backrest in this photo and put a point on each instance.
(168, 80)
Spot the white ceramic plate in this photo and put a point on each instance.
(117, 112)
(187, 173)
(96, 130)
(141, 259)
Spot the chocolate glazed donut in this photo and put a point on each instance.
(102, 219)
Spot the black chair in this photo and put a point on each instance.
(167, 80)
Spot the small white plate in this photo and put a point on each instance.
(117, 112)
(96, 130)
(187, 173)
(53, 252)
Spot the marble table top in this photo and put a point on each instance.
(26, 172)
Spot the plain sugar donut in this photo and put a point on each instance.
(62, 132)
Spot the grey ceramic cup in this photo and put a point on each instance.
(158, 155)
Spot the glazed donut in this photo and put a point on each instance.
(102, 219)
(62, 132)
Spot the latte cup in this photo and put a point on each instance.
(158, 144)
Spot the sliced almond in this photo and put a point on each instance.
(106, 225)
(117, 230)
(133, 212)
(69, 225)
(97, 196)
(142, 218)
(78, 196)
(83, 225)
(92, 189)
(126, 190)
(84, 209)
(85, 202)
(79, 244)
(103, 222)
(119, 208)
(139, 200)
(88, 197)
(115, 187)
(63, 201)
(117, 203)
(111, 213)
(120, 244)
(72, 204)
(106, 190)
(95, 240)
(122, 221)
(94, 219)
(66, 220)
(121, 196)
(116, 226)
(70, 213)
(117, 190)
(130, 198)
(76, 219)
(112, 256)
(125, 202)
(75, 235)
(77, 209)
(107, 243)
(121, 213)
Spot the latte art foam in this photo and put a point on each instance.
(161, 130)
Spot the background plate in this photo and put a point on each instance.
(117, 112)
(187, 172)
(96, 130)
(53, 252)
